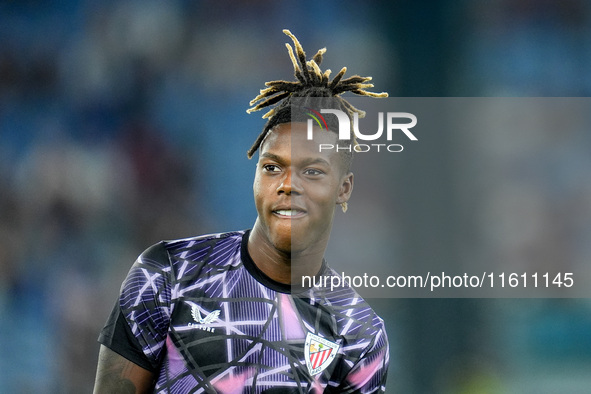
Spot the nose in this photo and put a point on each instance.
(289, 184)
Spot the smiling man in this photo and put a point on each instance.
(296, 188)
(227, 313)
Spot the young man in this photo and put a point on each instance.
(227, 313)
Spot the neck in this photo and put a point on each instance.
(284, 266)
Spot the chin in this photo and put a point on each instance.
(281, 242)
(289, 246)
(298, 245)
(291, 240)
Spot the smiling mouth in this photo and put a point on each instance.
(289, 213)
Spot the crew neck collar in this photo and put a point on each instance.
(265, 280)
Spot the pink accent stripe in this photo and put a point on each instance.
(364, 373)
(291, 324)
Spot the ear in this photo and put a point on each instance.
(345, 189)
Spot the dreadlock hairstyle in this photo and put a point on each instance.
(311, 84)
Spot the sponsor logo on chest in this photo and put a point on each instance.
(203, 323)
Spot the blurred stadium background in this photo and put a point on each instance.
(123, 123)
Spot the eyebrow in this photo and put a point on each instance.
(271, 156)
(305, 162)
(317, 160)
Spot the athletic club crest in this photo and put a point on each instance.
(319, 353)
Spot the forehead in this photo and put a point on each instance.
(290, 140)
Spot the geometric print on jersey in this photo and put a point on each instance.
(209, 324)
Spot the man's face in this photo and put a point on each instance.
(296, 187)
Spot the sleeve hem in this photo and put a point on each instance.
(124, 342)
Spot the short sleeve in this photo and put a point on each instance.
(138, 326)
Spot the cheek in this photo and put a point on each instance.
(325, 196)
(261, 190)
(256, 190)
(255, 185)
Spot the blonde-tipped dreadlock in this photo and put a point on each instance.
(311, 82)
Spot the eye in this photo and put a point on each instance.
(313, 172)
(271, 168)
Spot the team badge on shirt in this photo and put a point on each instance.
(319, 353)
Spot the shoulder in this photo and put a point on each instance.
(194, 257)
(166, 259)
(168, 251)
(207, 241)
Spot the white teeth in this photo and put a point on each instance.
(286, 212)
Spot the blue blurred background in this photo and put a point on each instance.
(123, 123)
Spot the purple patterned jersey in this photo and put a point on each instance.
(205, 319)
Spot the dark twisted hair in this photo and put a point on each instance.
(311, 84)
